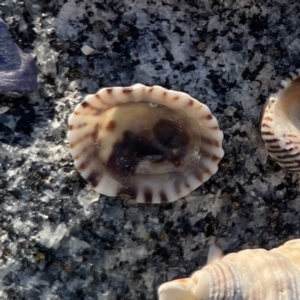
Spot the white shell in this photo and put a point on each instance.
(280, 123)
(147, 143)
(87, 50)
(255, 274)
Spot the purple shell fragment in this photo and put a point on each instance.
(18, 71)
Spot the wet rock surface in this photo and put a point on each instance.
(59, 239)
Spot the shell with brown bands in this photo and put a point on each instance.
(280, 123)
(255, 274)
(150, 144)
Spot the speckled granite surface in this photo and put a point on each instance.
(59, 239)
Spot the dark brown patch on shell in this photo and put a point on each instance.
(98, 96)
(176, 98)
(134, 147)
(111, 125)
(171, 136)
(191, 102)
(71, 127)
(164, 94)
(109, 90)
(209, 117)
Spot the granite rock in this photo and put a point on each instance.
(61, 240)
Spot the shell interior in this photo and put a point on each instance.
(147, 143)
(280, 123)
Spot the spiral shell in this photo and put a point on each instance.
(255, 274)
(280, 123)
(147, 143)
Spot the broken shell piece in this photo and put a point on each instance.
(18, 71)
(249, 274)
(87, 50)
(280, 123)
(147, 143)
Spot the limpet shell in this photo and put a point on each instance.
(280, 123)
(255, 274)
(150, 144)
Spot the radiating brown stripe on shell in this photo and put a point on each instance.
(148, 195)
(267, 133)
(127, 90)
(273, 147)
(84, 104)
(266, 125)
(287, 156)
(279, 150)
(94, 178)
(271, 140)
(84, 165)
(163, 197)
(210, 141)
(79, 141)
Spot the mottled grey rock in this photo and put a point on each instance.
(59, 239)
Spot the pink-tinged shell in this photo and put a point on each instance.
(255, 274)
(280, 123)
(150, 144)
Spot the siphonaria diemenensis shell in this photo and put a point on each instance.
(148, 144)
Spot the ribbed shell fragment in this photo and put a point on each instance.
(255, 274)
(149, 144)
(280, 123)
